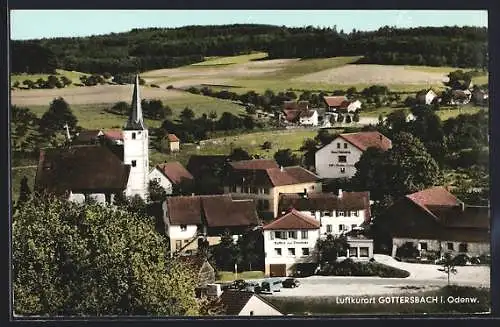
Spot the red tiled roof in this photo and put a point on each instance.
(293, 220)
(291, 114)
(345, 104)
(365, 140)
(437, 196)
(114, 134)
(290, 175)
(215, 210)
(174, 171)
(172, 138)
(334, 101)
(325, 201)
(307, 113)
(254, 164)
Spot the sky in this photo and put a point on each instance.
(35, 24)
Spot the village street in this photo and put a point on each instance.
(423, 277)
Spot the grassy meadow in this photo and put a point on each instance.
(216, 61)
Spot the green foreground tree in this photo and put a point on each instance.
(90, 260)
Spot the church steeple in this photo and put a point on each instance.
(135, 120)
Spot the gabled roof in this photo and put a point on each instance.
(290, 176)
(80, 169)
(214, 210)
(293, 220)
(365, 140)
(307, 113)
(86, 136)
(254, 164)
(114, 135)
(325, 201)
(172, 138)
(448, 210)
(174, 171)
(234, 301)
(334, 101)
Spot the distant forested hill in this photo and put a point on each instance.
(153, 48)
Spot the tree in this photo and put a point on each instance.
(330, 248)
(286, 158)
(251, 248)
(355, 117)
(57, 116)
(248, 122)
(121, 108)
(396, 121)
(324, 137)
(212, 115)
(156, 192)
(23, 129)
(348, 119)
(24, 191)
(309, 147)
(87, 259)
(372, 173)
(267, 145)
(239, 154)
(226, 253)
(187, 114)
(448, 266)
(351, 91)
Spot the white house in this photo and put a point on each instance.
(337, 213)
(351, 106)
(426, 97)
(337, 159)
(308, 118)
(289, 240)
(169, 175)
(241, 303)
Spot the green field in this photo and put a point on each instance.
(287, 139)
(216, 61)
(73, 76)
(483, 79)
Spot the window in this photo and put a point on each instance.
(178, 245)
(450, 246)
(233, 188)
(338, 145)
(355, 213)
(364, 252)
(183, 228)
(342, 170)
(343, 159)
(280, 235)
(271, 235)
(423, 246)
(266, 191)
(251, 313)
(348, 213)
(133, 136)
(327, 214)
(313, 213)
(255, 190)
(345, 145)
(353, 252)
(462, 247)
(341, 227)
(305, 251)
(292, 235)
(340, 213)
(303, 234)
(328, 228)
(291, 252)
(277, 251)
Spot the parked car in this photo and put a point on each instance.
(238, 284)
(290, 283)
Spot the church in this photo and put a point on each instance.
(100, 171)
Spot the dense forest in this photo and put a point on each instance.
(153, 48)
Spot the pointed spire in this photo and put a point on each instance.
(135, 120)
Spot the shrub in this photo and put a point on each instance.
(348, 267)
(154, 85)
(170, 87)
(407, 250)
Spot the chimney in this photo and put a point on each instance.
(340, 193)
